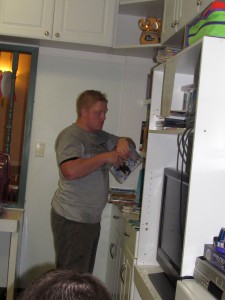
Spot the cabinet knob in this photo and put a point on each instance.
(116, 217)
(126, 234)
(57, 34)
(199, 2)
(46, 33)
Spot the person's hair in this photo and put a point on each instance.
(88, 98)
(60, 284)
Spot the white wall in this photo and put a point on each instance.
(61, 76)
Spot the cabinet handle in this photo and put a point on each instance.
(116, 217)
(122, 269)
(174, 24)
(57, 34)
(199, 2)
(46, 33)
(126, 234)
(113, 246)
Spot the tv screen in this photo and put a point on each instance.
(172, 225)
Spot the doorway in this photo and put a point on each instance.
(18, 66)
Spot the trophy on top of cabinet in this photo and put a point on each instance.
(151, 29)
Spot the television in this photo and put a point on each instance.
(171, 232)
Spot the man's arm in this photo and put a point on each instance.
(81, 167)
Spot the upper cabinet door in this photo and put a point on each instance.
(170, 19)
(86, 22)
(33, 18)
(191, 8)
(178, 13)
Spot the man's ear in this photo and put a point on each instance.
(83, 112)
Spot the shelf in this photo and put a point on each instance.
(186, 60)
(125, 2)
(144, 8)
(143, 153)
(167, 131)
(147, 101)
(138, 46)
(9, 220)
(145, 51)
(144, 285)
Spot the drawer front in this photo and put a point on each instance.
(130, 237)
(117, 219)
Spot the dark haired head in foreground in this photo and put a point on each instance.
(65, 285)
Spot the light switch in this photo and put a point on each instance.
(40, 149)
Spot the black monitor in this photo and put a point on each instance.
(171, 231)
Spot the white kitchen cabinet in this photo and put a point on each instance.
(170, 16)
(127, 31)
(190, 9)
(125, 276)
(127, 260)
(85, 22)
(177, 14)
(202, 64)
(24, 18)
(122, 256)
(128, 290)
(121, 275)
(113, 263)
(76, 21)
(114, 255)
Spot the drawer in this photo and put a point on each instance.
(130, 239)
(117, 219)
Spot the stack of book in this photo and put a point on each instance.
(166, 53)
(122, 196)
(175, 121)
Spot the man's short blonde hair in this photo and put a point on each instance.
(88, 98)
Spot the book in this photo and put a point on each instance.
(122, 196)
(122, 172)
(120, 191)
(143, 137)
(139, 190)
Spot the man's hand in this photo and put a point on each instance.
(81, 167)
(123, 148)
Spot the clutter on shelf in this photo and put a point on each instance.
(122, 196)
(164, 54)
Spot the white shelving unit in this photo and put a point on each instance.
(122, 255)
(205, 212)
